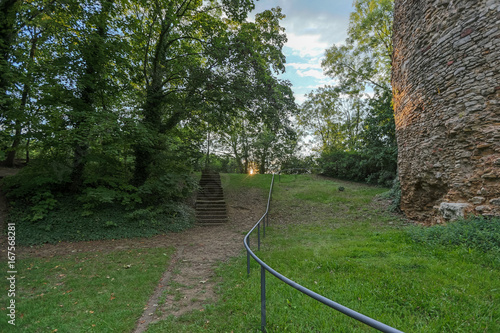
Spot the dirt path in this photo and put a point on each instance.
(188, 282)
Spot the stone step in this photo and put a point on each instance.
(212, 221)
(210, 179)
(211, 213)
(210, 196)
(211, 189)
(211, 207)
(210, 204)
(214, 211)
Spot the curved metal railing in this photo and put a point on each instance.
(264, 220)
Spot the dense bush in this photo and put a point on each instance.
(47, 209)
(299, 165)
(356, 166)
(66, 223)
(472, 233)
(224, 164)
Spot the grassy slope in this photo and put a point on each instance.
(88, 292)
(338, 244)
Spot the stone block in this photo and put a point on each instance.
(477, 200)
(453, 210)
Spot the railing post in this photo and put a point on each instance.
(264, 228)
(248, 257)
(262, 299)
(258, 237)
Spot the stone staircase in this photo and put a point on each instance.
(210, 203)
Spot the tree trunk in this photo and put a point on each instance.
(262, 166)
(234, 145)
(11, 156)
(93, 57)
(145, 151)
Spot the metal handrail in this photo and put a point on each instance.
(264, 267)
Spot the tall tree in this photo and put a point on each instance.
(193, 59)
(366, 57)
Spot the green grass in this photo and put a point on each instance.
(87, 292)
(342, 246)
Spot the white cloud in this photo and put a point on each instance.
(297, 65)
(318, 74)
(306, 45)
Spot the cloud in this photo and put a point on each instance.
(306, 45)
(318, 74)
(311, 28)
(304, 65)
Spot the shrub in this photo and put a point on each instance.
(355, 166)
(473, 233)
(36, 187)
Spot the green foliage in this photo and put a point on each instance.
(336, 120)
(366, 57)
(301, 164)
(355, 166)
(115, 98)
(395, 195)
(36, 187)
(94, 198)
(478, 233)
(166, 188)
(224, 164)
(69, 222)
(363, 142)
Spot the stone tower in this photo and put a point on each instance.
(446, 85)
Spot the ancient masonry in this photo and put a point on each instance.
(446, 86)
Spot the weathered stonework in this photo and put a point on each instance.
(446, 85)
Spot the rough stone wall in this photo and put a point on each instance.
(446, 86)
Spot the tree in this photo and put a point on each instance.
(363, 147)
(193, 61)
(366, 57)
(333, 117)
(115, 97)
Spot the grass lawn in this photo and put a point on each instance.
(339, 244)
(86, 292)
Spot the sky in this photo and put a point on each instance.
(311, 27)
